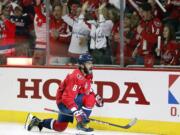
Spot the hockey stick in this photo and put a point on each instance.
(130, 124)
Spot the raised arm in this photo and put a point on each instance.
(84, 8)
(65, 10)
(105, 23)
(66, 18)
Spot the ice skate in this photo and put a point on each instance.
(84, 127)
(31, 122)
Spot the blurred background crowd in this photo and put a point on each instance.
(56, 32)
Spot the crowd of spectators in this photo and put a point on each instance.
(79, 26)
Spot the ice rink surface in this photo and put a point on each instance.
(18, 129)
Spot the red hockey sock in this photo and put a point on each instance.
(60, 126)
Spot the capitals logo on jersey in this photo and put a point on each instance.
(174, 89)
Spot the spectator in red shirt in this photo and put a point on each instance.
(59, 34)
(147, 33)
(168, 49)
(7, 34)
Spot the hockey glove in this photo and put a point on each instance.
(99, 101)
(81, 117)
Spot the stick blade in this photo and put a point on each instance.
(130, 124)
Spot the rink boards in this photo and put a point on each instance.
(152, 96)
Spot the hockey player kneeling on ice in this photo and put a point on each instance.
(74, 98)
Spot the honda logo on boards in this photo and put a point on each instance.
(133, 90)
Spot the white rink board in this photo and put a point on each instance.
(154, 86)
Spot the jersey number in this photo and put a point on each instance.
(75, 87)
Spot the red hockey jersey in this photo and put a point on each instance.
(148, 37)
(7, 36)
(62, 28)
(73, 84)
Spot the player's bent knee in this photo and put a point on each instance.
(89, 101)
(60, 126)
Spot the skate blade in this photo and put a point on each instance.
(84, 133)
(28, 120)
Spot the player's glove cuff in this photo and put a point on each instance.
(81, 117)
(99, 101)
